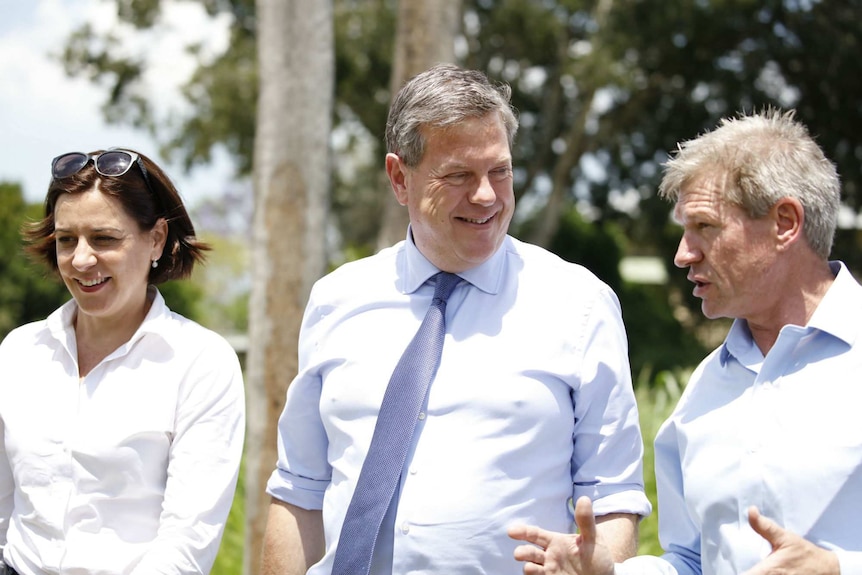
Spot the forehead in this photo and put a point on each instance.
(476, 136)
(90, 207)
(702, 195)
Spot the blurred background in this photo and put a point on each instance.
(605, 89)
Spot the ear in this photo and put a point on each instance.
(397, 172)
(789, 218)
(159, 234)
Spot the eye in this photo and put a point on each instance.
(500, 173)
(457, 178)
(104, 240)
(65, 241)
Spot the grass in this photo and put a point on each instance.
(656, 396)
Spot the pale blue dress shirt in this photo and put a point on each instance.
(782, 432)
(532, 405)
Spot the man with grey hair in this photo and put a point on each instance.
(529, 407)
(759, 467)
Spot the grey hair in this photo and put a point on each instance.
(439, 97)
(766, 156)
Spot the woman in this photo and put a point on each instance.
(121, 422)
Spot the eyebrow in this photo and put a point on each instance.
(91, 230)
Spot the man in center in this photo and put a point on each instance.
(530, 408)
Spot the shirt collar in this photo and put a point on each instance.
(60, 322)
(487, 276)
(830, 316)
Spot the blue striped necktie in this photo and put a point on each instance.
(393, 433)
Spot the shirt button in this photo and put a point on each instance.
(405, 528)
(412, 471)
(421, 415)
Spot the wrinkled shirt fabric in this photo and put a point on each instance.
(532, 405)
(129, 470)
(780, 432)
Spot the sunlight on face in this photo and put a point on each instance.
(460, 196)
(728, 253)
(103, 256)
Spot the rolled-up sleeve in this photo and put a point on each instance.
(303, 472)
(607, 458)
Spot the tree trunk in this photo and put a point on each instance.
(425, 36)
(291, 184)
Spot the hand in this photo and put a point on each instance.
(790, 552)
(555, 553)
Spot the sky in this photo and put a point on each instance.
(44, 113)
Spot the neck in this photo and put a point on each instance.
(99, 337)
(804, 289)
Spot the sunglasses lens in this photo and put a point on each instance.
(68, 164)
(113, 163)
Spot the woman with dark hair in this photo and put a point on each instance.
(121, 422)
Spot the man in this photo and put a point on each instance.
(759, 467)
(532, 402)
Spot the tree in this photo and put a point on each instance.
(28, 292)
(291, 182)
(425, 36)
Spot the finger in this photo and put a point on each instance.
(529, 554)
(585, 519)
(533, 569)
(765, 527)
(530, 534)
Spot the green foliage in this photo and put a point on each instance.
(183, 297)
(29, 291)
(621, 86)
(657, 341)
(219, 283)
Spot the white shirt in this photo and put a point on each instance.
(781, 432)
(131, 469)
(531, 406)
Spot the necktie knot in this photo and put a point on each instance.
(445, 284)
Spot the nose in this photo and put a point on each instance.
(484, 194)
(84, 257)
(686, 253)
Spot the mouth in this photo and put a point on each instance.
(477, 221)
(93, 282)
(699, 284)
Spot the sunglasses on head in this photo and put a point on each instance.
(110, 163)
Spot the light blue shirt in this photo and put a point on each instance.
(782, 432)
(532, 405)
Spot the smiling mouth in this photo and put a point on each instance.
(93, 282)
(477, 221)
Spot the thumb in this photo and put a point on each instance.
(585, 519)
(765, 527)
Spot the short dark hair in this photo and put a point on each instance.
(145, 198)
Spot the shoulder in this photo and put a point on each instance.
(191, 332)
(548, 271)
(189, 341)
(365, 278)
(24, 336)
